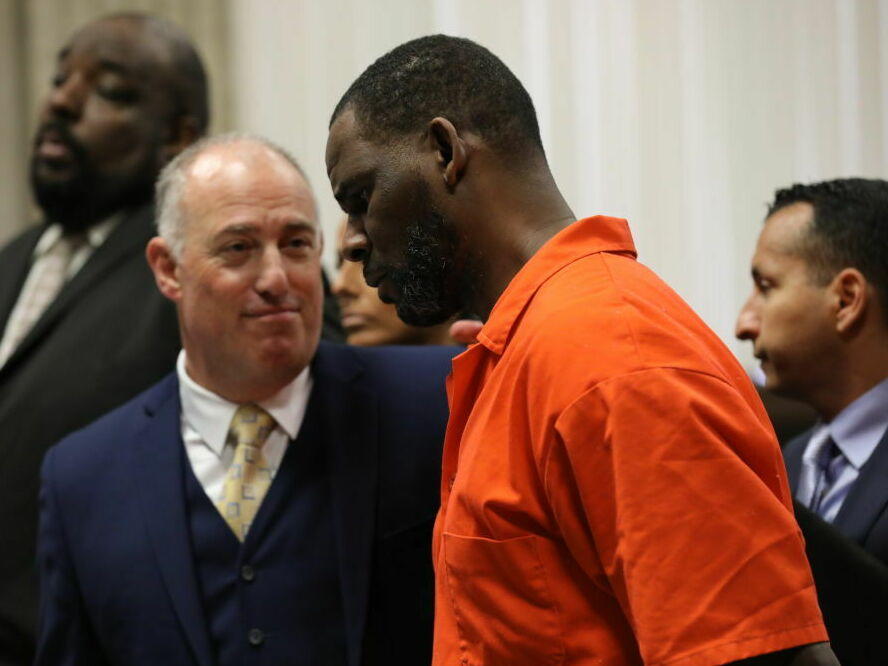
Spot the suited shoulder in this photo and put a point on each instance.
(395, 367)
(15, 257)
(24, 241)
(408, 364)
(795, 447)
(101, 445)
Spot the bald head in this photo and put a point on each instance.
(240, 257)
(228, 163)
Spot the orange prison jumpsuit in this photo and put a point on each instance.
(612, 490)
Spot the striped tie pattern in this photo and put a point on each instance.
(46, 279)
(249, 475)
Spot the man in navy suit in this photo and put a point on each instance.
(271, 501)
(818, 318)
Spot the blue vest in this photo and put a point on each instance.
(276, 598)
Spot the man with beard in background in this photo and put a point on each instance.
(83, 327)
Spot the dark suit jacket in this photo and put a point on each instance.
(863, 517)
(852, 584)
(108, 335)
(117, 579)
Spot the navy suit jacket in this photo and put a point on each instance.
(118, 584)
(852, 584)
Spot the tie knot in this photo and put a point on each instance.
(68, 244)
(251, 426)
(827, 453)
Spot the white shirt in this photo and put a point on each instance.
(206, 417)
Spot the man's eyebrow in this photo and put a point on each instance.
(348, 187)
(301, 225)
(345, 189)
(234, 230)
(114, 66)
(250, 228)
(104, 63)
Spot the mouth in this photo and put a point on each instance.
(272, 314)
(352, 321)
(53, 148)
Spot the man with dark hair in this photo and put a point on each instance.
(612, 491)
(818, 318)
(82, 328)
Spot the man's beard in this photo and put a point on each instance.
(86, 196)
(436, 281)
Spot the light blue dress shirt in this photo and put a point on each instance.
(856, 430)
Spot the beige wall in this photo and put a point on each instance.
(683, 115)
(32, 31)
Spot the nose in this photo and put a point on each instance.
(271, 282)
(355, 244)
(748, 321)
(343, 286)
(341, 283)
(67, 97)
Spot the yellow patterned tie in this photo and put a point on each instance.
(249, 475)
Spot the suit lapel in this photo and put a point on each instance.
(130, 236)
(350, 425)
(792, 457)
(868, 497)
(160, 460)
(16, 261)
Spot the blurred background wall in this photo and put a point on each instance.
(682, 115)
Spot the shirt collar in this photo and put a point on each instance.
(580, 239)
(95, 235)
(210, 414)
(859, 428)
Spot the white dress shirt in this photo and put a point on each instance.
(206, 417)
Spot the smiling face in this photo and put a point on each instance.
(248, 283)
(789, 317)
(408, 249)
(103, 128)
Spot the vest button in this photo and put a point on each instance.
(256, 637)
(248, 573)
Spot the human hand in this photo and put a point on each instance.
(465, 331)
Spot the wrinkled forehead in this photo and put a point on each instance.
(245, 174)
(351, 155)
(344, 144)
(130, 45)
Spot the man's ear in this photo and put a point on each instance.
(183, 131)
(851, 293)
(164, 266)
(451, 150)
